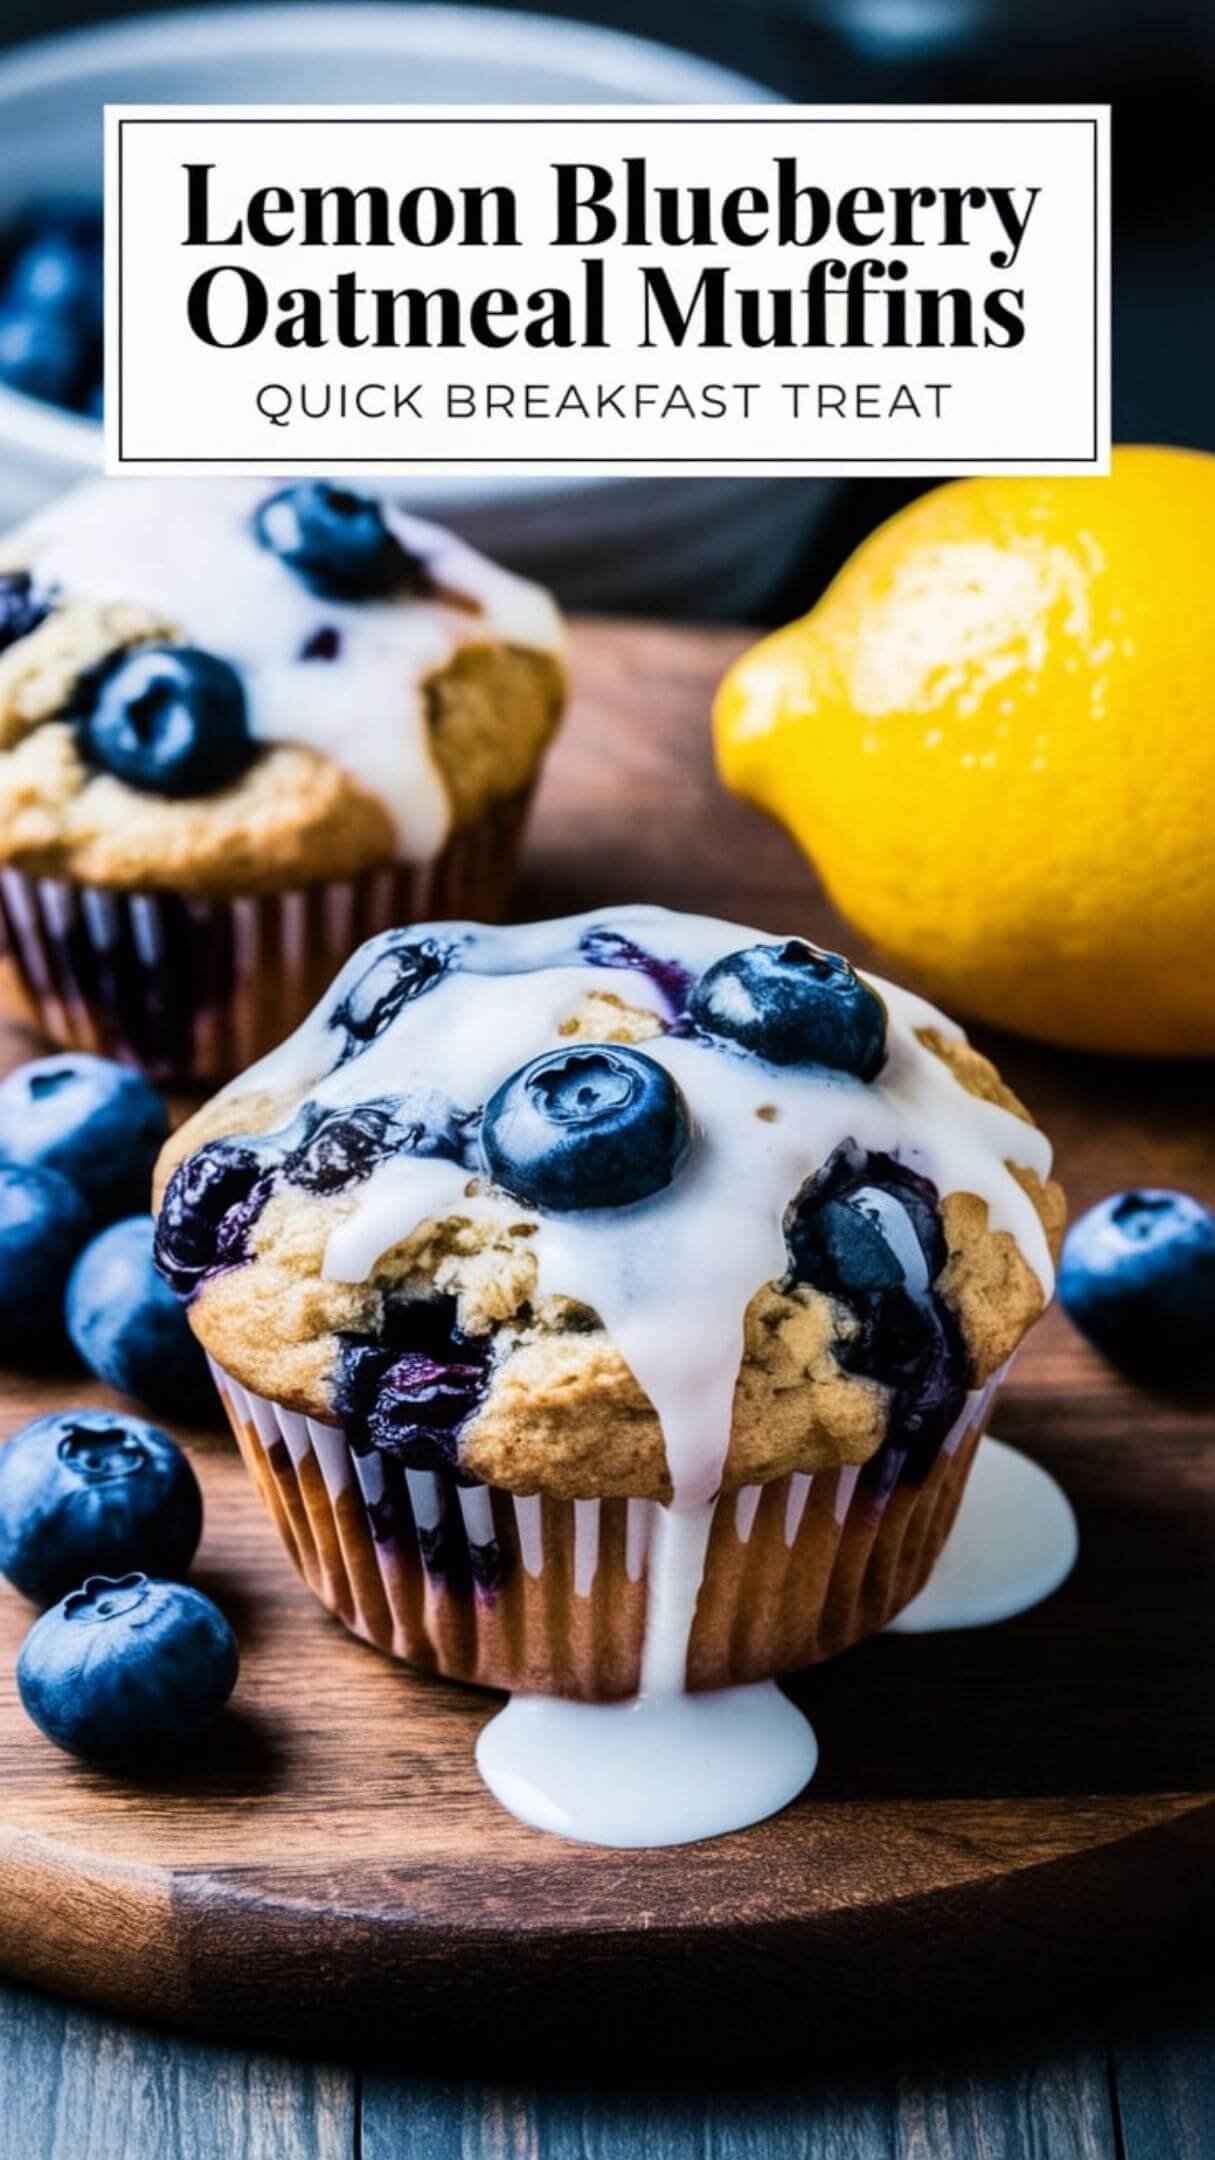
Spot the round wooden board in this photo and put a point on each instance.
(998, 1816)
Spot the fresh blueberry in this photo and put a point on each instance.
(595, 1126)
(409, 1390)
(128, 1326)
(22, 606)
(209, 1208)
(58, 271)
(99, 1124)
(1138, 1278)
(793, 1005)
(337, 543)
(127, 1670)
(43, 1225)
(866, 1231)
(86, 1492)
(167, 719)
(389, 973)
(43, 355)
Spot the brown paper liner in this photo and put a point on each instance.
(549, 1597)
(193, 990)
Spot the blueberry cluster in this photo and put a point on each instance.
(408, 1391)
(214, 1199)
(52, 307)
(78, 1139)
(123, 1663)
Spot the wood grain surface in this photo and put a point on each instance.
(1004, 1817)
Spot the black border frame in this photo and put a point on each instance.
(710, 467)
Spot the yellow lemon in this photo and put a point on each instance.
(995, 736)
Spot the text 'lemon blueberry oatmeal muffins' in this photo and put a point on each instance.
(242, 729)
(614, 1302)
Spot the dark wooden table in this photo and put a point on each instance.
(1129, 2075)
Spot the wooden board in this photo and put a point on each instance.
(998, 1817)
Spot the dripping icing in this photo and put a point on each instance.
(670, 1277)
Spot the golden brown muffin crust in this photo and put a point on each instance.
(563, 1414)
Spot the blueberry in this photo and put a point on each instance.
(793, 1005)
(43, 355)
(127, 1670)
(99, 1124)
(396, 969)
(409, 1390)
(167, 719)
(337, 543)
(866, 1231)
(129, 1328)
(22, 606)
(341, 1148)
(86, 1492)
(1138, 1278)
(584, 1128)
(58, 272)
(209, 1208)
(43, 1225)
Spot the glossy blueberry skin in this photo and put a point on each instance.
(43, 1225)
(793, 1005)
(43, 354)
(839, 1235)
(57, 271)
(124, 1671)
(128, 1326)
(208, 1210)
(22, 606)
(336, 542)
(1138, 1279)
(168, 719)
(97, 1123)
(409, 1391)
(396, 969)
(596, 1126)
(87, 1492)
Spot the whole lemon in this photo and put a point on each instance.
(995, 736)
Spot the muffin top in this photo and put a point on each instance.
(221, 686)
(630, 1203)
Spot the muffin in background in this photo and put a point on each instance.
(242, 729)
(611, 1302)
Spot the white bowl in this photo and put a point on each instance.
(702, 547)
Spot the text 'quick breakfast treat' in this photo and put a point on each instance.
(611, 1304)
(241, 729)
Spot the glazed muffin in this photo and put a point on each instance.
(240, 730)
(611, 1301)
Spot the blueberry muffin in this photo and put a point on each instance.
(240, 730)
(611, 1302)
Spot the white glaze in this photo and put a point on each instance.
(659, 1770)
(1013, 1543)
(671, 1279)
(186, 551)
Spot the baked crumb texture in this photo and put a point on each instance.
(563, 1415)
(294, 817)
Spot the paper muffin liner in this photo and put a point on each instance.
(193, 990)
(549, 1596)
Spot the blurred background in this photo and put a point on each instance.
(758, 550)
